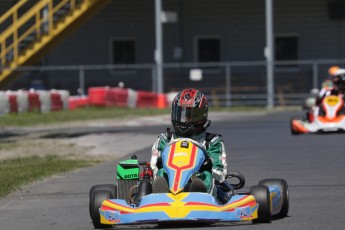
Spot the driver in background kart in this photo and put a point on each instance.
(189, 114)
(334, 85)
(337, 86)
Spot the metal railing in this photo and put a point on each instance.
(225, 84)
(35, 21)
(30, 28)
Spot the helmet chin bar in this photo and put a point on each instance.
(185, 133)
(189, 130)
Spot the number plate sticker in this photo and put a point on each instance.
(332, 100)
(243, 212)
(113, 216)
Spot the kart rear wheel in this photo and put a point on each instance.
(96, 202)
(283, 186)
(124, 188)
(262, 197)
(106, 187)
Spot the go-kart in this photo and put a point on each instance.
(330, 118)
(131, 201)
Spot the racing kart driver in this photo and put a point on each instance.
(338, 86)
(189, 114)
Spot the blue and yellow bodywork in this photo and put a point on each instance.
(155, 208)
(181, 159)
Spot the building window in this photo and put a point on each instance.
(286, 48)
(208, 50)
(123, 51)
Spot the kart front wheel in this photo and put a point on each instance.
(296, 117)
(96, 202)
(283, 186)
(106, 187)
(292, 130)
(262, 197)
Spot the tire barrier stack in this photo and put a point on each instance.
(44, 101)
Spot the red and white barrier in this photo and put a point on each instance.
(146, 99)
(97, 95)
(45, 101)
(76, 102)
(4, 103)
(12, 98)
(121, 97)
(132, 98)
(18, 101)
(55, 100)
(34, 101)
(162, 101)
(116, 97)
(64, 97)
(59, 100)
(26, 101)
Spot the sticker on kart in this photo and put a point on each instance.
(332, 100)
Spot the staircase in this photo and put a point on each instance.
(31, 30)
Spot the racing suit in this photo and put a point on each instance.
(215, 149)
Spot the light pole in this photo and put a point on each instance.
(159, 46)
(269, 51)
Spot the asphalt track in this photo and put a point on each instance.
(259, 146)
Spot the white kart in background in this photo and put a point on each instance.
(330, 118)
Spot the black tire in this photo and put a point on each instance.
(262, 197)
(96, 202)
(106, 187)
(285, 193)
(123, 189)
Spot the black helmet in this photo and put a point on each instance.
(189, 113)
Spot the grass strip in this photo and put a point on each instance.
(92, 113)
(82, 114)
(14, 173)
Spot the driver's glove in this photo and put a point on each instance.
(207, 165)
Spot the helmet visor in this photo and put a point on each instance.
(339, 78)
(188, 114)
